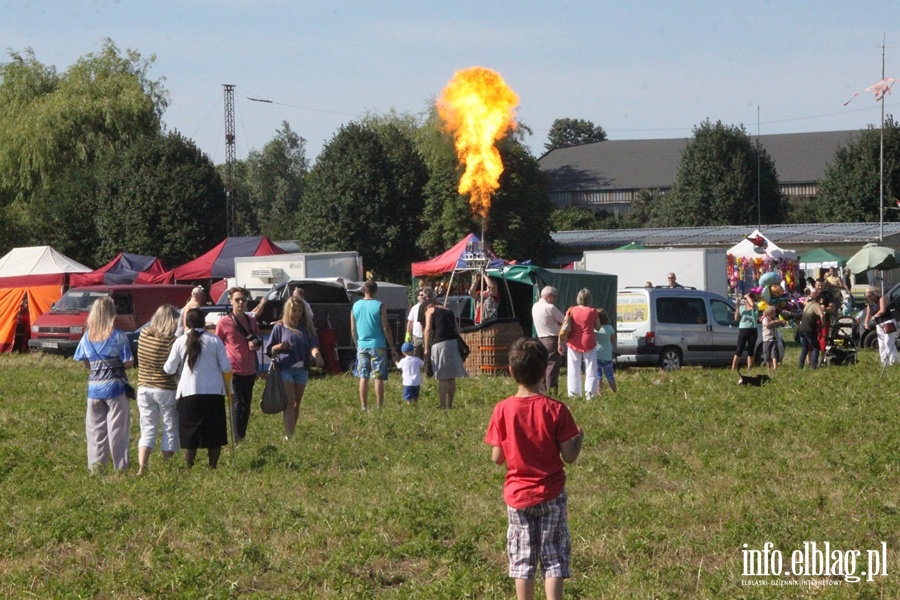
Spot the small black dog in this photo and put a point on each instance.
(753, 380)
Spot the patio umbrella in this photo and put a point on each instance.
(874, 257)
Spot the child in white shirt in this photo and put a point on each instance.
(411, 370)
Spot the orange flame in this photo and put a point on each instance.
(478, 108)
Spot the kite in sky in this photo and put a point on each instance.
(881, 89)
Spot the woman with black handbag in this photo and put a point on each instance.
(105, 350)
(442, 349)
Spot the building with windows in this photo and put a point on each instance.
(608, 176)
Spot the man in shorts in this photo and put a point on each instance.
(372, 336)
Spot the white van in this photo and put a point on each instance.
(671, 327)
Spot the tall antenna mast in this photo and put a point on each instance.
(881, 158)
(230, 158)
(758, 177)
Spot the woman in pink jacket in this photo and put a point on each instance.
(581, 345)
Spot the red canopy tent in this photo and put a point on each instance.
(124, 268)
(218, 263)
(449, 261)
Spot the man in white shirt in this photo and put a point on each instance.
(414, 331)
(547, 321)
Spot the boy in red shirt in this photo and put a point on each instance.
(529, 432)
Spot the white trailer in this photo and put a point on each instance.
(701, 268)
(262, 272)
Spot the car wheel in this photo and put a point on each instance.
(870, 340)
(670, 359)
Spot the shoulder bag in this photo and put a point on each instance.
(464, 350)
(566, 327)
(130, 392)
(272, 401)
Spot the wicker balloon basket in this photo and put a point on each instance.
(489, 345)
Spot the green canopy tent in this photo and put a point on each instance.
(820, 258)
(526, 281)
(632, 246)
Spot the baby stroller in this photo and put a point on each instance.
(842, 343)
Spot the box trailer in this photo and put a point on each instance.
(701, 268)
(262, 272)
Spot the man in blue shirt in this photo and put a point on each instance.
(372, 336)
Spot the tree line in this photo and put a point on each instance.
(724, 178)
(87, 166)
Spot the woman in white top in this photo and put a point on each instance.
(205, 370)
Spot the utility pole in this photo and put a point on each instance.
(230, 159)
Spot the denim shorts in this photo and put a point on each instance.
(298, 375)
(371, 362)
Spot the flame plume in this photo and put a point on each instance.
(477, 107)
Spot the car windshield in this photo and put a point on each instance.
(78, 301)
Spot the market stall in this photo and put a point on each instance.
(754, 256)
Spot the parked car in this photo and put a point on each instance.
(331, 300)
(462, 307)
(59, 329)
(672, 327)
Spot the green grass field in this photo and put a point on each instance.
(679, 471)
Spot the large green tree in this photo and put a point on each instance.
(56, 129)
(51, 122)
(365, 193)
(519, 220)
(271, 183)
(850, 192)
(716, 183)
(572, 132)
(162, 197)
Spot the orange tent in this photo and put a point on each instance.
(38, 274)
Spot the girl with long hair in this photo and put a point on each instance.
(201, 389)
(105, 350)
(294, 346)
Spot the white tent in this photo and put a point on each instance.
(38, 260)
(746, 249)
(37, 273)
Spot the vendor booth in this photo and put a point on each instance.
(124, 268)
(31, 280)
(218, 263)
(816, 260)
(755, 256)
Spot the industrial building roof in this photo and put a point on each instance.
(653, 164)
(822, 234)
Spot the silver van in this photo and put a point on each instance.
(671, 327)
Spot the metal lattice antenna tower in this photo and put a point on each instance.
(230, 158)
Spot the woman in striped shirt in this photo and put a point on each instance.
(156, 388)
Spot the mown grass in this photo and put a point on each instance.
(679, 470)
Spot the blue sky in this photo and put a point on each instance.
(640, 70)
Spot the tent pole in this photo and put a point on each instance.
(449, 288)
